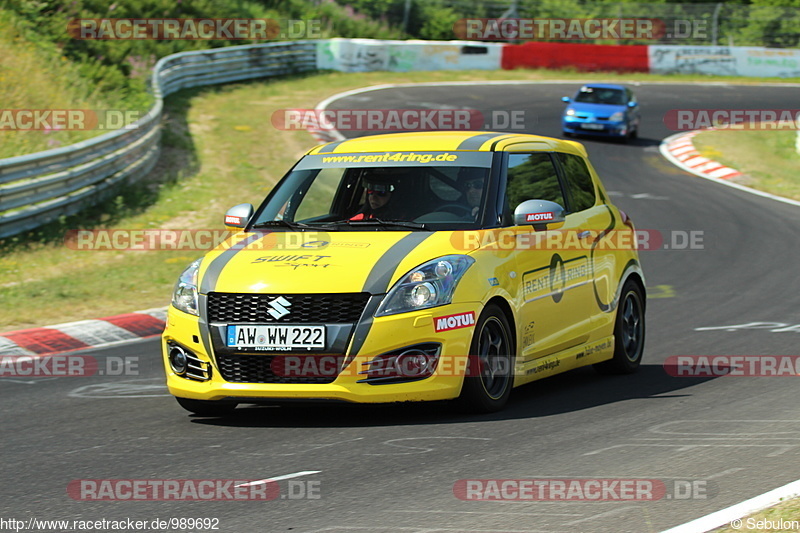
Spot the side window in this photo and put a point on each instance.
(532, 177)
(579, 181)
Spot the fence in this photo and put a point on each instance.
(41, 187)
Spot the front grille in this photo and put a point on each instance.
(316, 308)
(261, 369)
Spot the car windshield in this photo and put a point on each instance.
(386, 197)
(597, 95)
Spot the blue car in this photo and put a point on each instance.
(603, 110)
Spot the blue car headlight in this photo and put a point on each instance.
(570, 112)
(619, 116)
(429, 285)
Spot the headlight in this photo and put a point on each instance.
(570, 112)
(184, 297)
(617, 117)
(429, 285)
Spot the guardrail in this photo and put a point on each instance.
(38, 188)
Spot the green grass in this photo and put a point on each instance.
(221, 150)
(784, 512)
(768, 159)
(34, 76)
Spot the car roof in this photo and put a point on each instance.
(449, 141)
(604, 86)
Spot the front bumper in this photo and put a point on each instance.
(591, 127)
(386, 334)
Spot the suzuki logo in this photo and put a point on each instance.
(279, 306)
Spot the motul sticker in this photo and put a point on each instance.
(461, 320)
(536, 217)
(233, 220)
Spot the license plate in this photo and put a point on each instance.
(592, 126)
(279, 338)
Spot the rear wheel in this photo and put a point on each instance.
(490, 375)
(206, 407)
(628, 333)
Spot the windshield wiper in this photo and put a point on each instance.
(377, 222)
(284, 223)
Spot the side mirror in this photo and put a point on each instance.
(632, 104)
(238, 215)
(566, 99)
(538, 213)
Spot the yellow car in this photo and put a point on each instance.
(411, 267)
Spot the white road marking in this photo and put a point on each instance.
(318, 446)
(782, 448)
(121, 389)
(648, 196)
(279, 478)
(424, 450)
(734, 512)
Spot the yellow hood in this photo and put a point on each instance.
(298, 262)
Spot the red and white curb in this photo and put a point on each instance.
(734, 514)
(84, 334)
(686, 155)
(680, 151)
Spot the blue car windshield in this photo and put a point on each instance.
(592, 95)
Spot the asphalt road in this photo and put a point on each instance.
(393, 469)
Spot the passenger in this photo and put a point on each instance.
(473, 190)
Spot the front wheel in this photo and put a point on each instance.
(206, 407)
(490, 376)
(628, 332)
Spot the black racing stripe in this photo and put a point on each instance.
(211, 275)
(209, 283)
(205, 333)
(474, 143)
(377, 284)
(381, 274)
(329, 148)
(498, 141)
(362, 328)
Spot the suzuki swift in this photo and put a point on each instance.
(411, 267)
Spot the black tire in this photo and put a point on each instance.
(629, 330)
(490, 372)
(206, 407)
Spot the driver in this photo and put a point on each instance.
(379, 193)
